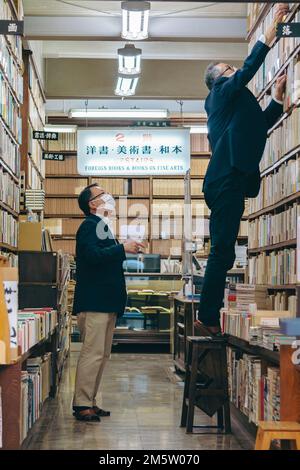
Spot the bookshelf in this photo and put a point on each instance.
(11, 92)
(272, 236)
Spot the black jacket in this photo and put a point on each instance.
(237, 126)
(100, 285)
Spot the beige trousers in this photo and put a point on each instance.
(96, 331)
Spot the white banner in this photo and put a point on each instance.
(133, 152)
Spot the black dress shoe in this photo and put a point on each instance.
(100, 412)
(87, 415)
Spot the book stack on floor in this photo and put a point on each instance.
(255, 393)
(35, 199)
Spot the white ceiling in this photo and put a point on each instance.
(113, 8)
(178, 30)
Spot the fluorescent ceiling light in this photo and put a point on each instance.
(198, 129)
(135, 20)
(129, 59)
(60, 128)
(120, 113)
(126, 85)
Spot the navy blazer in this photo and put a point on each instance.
(100, 285)
(237, 126)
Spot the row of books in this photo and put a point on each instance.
(199, 143)
(66, 226)
(67, 246)
(273, 268)
(174, 187)
(10, 69)
(9, 109)
(35, 151)
(9, 190)
(34, 179)
(277, 56)
(35, 115)
(34, 325)
(282, 140)
(254, 393)
(11, 258)
(66, 141)
(36, 93)
(283, 300)
(9, 152)
(15, 42)
(115, 186)
(139, 187)
(274, 228)
(275, 186)
(8, 229)
(36, 383)
(253, 11)
(292, 94)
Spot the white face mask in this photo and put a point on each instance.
(107, 209)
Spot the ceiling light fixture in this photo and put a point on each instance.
(126, 84)
(198, 129)
(60, 128)
(120, 113)
(129, 60)
(135, 20)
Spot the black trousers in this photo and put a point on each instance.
(225, 198)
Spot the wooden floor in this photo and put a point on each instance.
(145, 403)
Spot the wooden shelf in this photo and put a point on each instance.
(271, 356)
(8, 170)
(176, 197)
(282, 287)
(276, 246)
(9, 209)
(5, 246)
(286, 157)
(141, 337)
(287, 200)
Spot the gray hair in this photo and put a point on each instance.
(211, 73)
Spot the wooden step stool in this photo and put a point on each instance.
(206, 382)
(280, 430)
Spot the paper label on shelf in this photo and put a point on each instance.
(133, 152)
(274, 322)
(11, 299)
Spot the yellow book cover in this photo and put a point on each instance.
(4, 328)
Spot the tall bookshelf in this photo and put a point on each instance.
(273, 233)
(33, 115)
(11, 84)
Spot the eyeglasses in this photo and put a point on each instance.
(95, 197)
(226, 68)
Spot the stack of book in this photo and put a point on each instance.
(271, 388)
(35, 199)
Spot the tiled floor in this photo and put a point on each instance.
(145, 406)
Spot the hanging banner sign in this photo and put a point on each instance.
(10, 27)
(288, 30)
(54, 156)
(42, 135)
(133, 152)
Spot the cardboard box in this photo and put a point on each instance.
(30, 236)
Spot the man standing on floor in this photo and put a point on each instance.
(237, 131)
(100, 295)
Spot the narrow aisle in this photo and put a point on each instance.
(145, 408)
